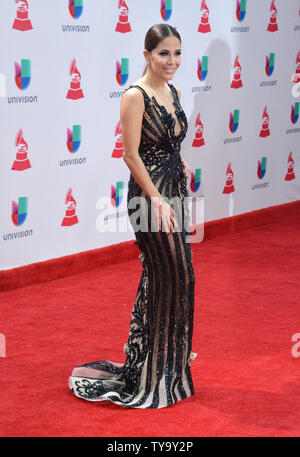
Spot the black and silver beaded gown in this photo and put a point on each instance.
(157, 369)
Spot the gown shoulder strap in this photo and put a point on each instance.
(141, 89)
(172, 87)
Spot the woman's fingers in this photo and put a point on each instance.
(165, 215)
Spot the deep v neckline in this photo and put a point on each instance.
(164, 110)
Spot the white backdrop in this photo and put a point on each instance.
(57, 159)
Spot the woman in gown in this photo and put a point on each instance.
(156, 372)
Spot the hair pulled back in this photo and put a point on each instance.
(156, 34)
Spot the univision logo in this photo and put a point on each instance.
(19, 211)
(241, 10)
(262, 168)
(166, 9)
(117, 194)
(23, 74)
(295, 112)
(74, 138)
(270, 64)
(202, 69)
(234, 120)
(75, 8)
(122, 71)
(195, 180)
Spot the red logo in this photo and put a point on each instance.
(123, 25)
(21, 162)
(75, 91)
(70, 215)
(290, 171)
(22, 21)
(198, 138)
(229, 187)
(118, 150)
(272, 26)
(265, 125)
(204, 26)
(237, 82)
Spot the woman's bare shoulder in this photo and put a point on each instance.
(132, 94)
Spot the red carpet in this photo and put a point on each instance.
(246, 380)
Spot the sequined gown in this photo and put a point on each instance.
(157, 369)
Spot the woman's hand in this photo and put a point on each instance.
(165, 215)
(187, 170)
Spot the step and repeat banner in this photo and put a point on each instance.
(64, 65)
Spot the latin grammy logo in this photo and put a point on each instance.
(198, 138)
(123, 25)
(204, 26)
(22, 21)
(265, 131)
(70, 215)
(290, 175)
(237, 82)
(229, 187)
(75, 91)
(272, 26)
(296, 77)
(118, 149)
(21, 162)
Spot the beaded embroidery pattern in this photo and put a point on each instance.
(156, 372)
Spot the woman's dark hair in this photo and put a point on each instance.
(156, 34)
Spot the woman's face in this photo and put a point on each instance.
(165, 58)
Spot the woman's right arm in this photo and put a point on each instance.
(131, 117)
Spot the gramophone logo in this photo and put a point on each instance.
(195, 180)
(122, 71)
(241, 9)
(75, 8)
(295, 112)
(270, 64)
(75, 91)
(21, 162)
(22, 21)
(204, 26)
(296, 77)
(166, 9)
(234, 120)
(262, 168)
(229, 187)
(265, 131)
(70, 211)
(123, 25)
(74, 138)
(236, 82)
(272, 26)
(198, 138)
(19, 211)
(290, 175)
(117, 194)
(118, 149)
(23, 73)
(202, 69)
